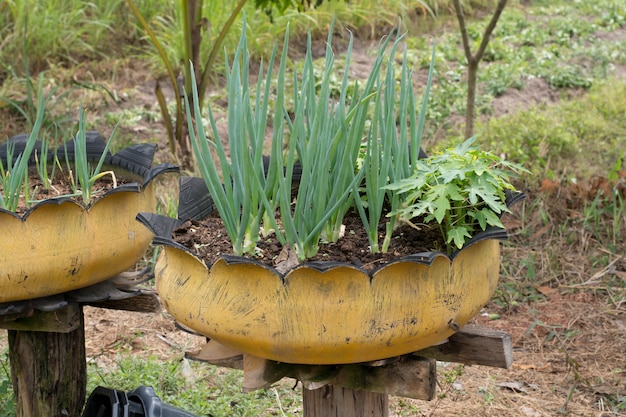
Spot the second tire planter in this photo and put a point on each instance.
(60, 245)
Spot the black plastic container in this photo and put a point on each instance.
(142, 402)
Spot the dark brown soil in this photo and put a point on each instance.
(62, 187)
(209, 240)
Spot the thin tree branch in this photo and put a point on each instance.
(461, 18)
(489, 29)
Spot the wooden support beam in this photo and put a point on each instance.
(474, 345)
(144, 302)
(407, 376)
(64, 320)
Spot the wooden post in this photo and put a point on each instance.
(47, 350)
(334, 401)
(48, 369)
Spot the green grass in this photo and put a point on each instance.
(68, 32)
(563, 43)
(551, 140)
(196, 387)
(7, 402)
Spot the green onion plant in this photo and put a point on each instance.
(14, 177)
(242, 190)
(85, 175)
(325, 139)
(46, 174)
(393, 146)
(322, 137)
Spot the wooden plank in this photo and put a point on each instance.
(333, 401)
(63, 320)
(217, 354)
(145, 302)
(261, 373)
(474, 345)
(410, 377)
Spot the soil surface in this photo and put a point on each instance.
(61, 186)
(207, 238)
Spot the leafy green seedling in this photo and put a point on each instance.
(461, 189)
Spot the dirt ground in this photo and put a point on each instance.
(569, 353)
(569, 344)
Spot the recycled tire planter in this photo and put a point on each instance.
(325, 313)
(60, 245)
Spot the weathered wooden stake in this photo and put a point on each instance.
(334, 401)
(48, 369)
(47, 351)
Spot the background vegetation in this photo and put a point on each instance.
(551, 96)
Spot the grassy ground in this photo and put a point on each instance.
(552, 97)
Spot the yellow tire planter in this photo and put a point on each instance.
(328, 315)
(60, 245)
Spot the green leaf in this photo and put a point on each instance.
(442, 206)
(486, 217)
(458, 235)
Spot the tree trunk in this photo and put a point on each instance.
(332, 401)
(470, 110)
(474, 59)
(49, 372)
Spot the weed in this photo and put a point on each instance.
(53, 124)
(567, 76)
(450, 377)
(511, 294)
(60, 31)
(500, 78)
(487, 394)
(7, 400)
(405, 408)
